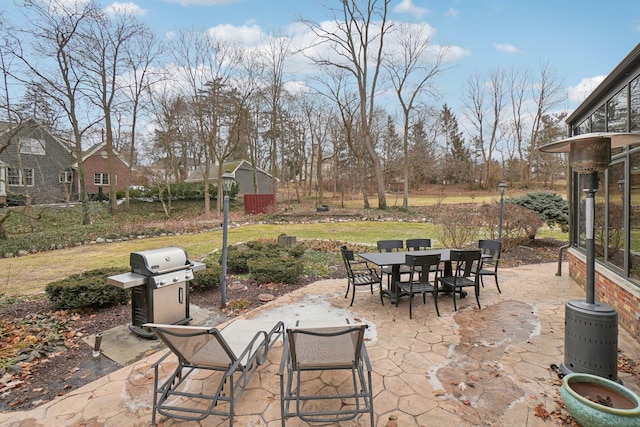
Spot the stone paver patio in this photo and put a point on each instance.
(473, 367)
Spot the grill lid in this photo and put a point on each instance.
(158, 261)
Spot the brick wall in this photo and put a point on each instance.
(608, 291)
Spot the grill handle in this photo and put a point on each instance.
(181, 295)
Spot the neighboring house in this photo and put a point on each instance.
(44, 166)
(614, 106)
(37, 163)
(96, 171)
(3, 183)
(243, 172)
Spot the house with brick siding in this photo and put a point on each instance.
(37, 163)
(612, 110)
(43, 166)
(96, 171)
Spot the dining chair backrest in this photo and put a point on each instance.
(491, 248)
(418, 244)
(389, 245)
(466, 261)
(347, 256)
(420, 263)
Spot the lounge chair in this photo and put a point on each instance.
(235, 352)
(316, 347)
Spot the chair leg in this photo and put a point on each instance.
(497, 286)
(478, 295)
(353, 295)
(348, 286)
(455, 307)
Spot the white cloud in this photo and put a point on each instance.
(636, 25)
(583, 89)
(407, 6)
(246, 35)
(507, 48)
(126, 8)
(452, 12)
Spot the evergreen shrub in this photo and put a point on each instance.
(86, 290)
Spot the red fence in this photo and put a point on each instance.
(258, 203)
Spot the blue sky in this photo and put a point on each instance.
(582, 40)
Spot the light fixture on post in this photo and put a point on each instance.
(227, 183)
(591, 328)
(502, 187)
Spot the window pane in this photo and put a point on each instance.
(634, 217)
(580, 198)
(584, 127)
(615, 224)
(13, 176)
(598, 124)
(31, 146)
(634, 114)
(617, 112)
(28, 176)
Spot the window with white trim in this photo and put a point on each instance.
(65, 176)
(16, 178)
(31, 146)
(101, 178)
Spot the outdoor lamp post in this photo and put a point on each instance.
(227, 182)
(502, 187)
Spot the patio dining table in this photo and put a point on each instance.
(396, 259)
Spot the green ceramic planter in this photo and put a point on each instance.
(625, 404)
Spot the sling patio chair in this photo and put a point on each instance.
(231, 354)
(358, 273)
(325, 373)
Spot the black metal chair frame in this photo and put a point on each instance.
(331, 347)
(390, 246)
(491, 251)
(462, 275)
(417, 244)
(418, 281)
(359, 273)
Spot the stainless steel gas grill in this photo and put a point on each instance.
(159, 282)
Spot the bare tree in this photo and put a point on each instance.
(412, 69)
(205, 65)
(355, 45)
(483, 99)
(49, 48)
(105, 46)
(140, 55)
(276, 51)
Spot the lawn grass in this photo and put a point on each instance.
(29, 274)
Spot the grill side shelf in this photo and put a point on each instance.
(127, 280)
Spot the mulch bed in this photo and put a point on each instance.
(67, 365)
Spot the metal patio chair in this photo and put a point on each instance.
(462, 275)
(319, 347)
(418, 280)
(491, 250)
(392, 245)
(358, 273)
(234, 352)
(418, 244)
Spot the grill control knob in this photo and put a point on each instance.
(176, 279)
